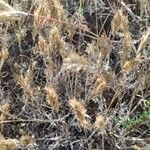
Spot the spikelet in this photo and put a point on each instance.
(52, 98)
(144, 40)
(80, 112)
(8, 144)
(130, 64)
(7, 13)
(100, 122)
(119, 22)
(100, 84)
(74, 63)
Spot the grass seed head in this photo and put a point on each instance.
(52, 98)
(100, 84)
(80, 112)
(130, 64)
(104, 45)
(26, 140)
(74, 63)
(42, 9)
(8, 144)
(100, 122)
(119, 22)
(43, 46)
(24, 82)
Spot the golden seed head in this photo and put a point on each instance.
(26, 140)
(52, 98)
(100, 122)
(119, 22)
(74, 63)
(100, 85)
(80, 112)
(130, 64)
(8, 144)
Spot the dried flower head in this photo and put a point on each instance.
(52, 98)
(80, 112)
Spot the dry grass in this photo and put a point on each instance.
(74, 75)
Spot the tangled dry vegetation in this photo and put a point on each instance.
(75, 75)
